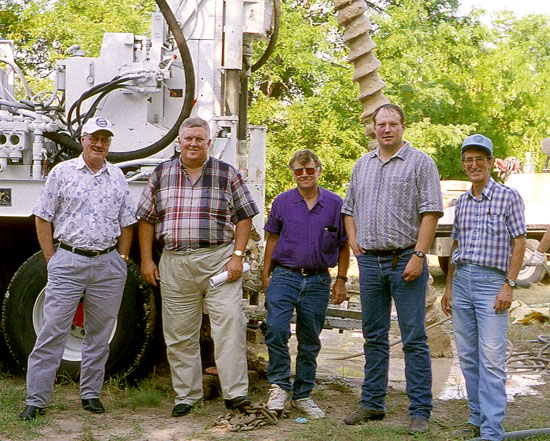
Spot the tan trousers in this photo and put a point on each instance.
(185, 292)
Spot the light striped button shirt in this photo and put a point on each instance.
(484, 227)
(387, 199)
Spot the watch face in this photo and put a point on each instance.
(512, 283)
(238, 253)
(419, 254)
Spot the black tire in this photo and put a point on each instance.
(529, 275)
(129, 343)
(444, 263)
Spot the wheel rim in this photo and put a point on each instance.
(73, 348)
(526, 271)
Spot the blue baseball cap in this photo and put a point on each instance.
(479, 141)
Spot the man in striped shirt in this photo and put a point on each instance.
(486, 256)
(391, 211)
(200, 211)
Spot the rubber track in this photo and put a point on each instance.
(351, 16)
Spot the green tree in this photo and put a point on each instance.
(306, 96)
(44, 29)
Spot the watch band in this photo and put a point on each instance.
(344, 278)
(419, 254)
(510, 282)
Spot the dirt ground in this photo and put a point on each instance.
(66, 421)
(144, 413)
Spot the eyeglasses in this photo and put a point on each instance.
(470, 161)
(300, 171)
(95, 140)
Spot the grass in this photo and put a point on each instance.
(137, 412)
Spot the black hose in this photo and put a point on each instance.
(273, 39)
(187, 107)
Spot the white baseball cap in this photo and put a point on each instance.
(96, 124)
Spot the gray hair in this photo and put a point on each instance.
(190, 123)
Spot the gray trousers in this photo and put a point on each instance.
(185, 292)
(101, 279)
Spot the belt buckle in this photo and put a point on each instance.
(304, 272)
(96, 253)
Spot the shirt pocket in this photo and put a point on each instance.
(496, 225)
(329, 239)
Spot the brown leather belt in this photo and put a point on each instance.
(306, 272)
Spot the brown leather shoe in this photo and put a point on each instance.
(364, 415)
(418, 425)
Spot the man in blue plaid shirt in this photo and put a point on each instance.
(486, 256)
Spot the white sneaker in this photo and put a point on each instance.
(308, 406)
(278, 398)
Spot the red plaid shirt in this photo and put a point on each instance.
(190, 215)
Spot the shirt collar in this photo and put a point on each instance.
(402, 153)
(297, 197)
(487, 192)
(205, 164)
(80, 164)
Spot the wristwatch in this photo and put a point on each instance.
(238, 253)
(510, 282)
(344, 278)
(419, 254)
(125, 257)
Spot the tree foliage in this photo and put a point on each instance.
(453, 75)
(44, 29)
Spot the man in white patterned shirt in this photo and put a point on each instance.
(391, 211)
(86, 206)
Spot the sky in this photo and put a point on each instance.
(519, 7)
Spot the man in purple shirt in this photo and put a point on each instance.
(306, 238)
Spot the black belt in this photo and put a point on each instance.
(87, 253)
(306, 272)
(392, 252)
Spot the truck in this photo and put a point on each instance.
(537, 217)
(196, 61)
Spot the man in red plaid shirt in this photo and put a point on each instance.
(200, 211)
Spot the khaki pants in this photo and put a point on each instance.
(185, 291)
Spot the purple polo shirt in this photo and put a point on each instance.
(307, 239)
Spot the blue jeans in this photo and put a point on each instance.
(309, 295)
(480, 335)
(379, 282)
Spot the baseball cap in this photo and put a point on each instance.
(96, 124)
(480, 141)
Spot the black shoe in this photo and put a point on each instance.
(364, 415)
(181, 409)
(30, 413)
(237, 402)
(93, 405)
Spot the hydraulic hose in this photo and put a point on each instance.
(522, 434)
(187, 107)
(20, 74)
(273, 39)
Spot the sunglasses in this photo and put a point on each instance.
(300, 171)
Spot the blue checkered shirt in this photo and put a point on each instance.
(484, 227)
(387, 199)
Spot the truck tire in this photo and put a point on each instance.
(22, 318)
(529, 275)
